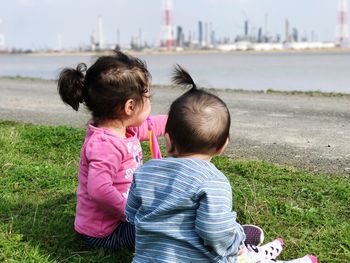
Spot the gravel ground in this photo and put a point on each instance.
(307, 132)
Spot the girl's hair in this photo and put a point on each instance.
(106, 86)
(198, 121)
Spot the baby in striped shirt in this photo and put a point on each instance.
(181, 205)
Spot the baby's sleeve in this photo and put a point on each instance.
(215, 221)
(133, 204)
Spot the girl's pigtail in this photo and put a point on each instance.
(71, 84)
(183, 78)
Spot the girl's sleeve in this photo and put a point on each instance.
(159, 122)
(215, 221)
(104, 163)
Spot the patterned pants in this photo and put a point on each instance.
(122, 237)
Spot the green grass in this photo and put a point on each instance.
(38, 166)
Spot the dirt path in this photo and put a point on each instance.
(311, 133)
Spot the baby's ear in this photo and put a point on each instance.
(222, 149)
(169, 144)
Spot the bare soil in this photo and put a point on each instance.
(303, 131)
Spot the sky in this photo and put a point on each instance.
(41, 24)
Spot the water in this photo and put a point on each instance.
(307, 71)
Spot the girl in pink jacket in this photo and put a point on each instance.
(115, 89)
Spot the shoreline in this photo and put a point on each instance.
(311, 93)
(183, 52)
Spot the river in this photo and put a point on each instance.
(284, 71)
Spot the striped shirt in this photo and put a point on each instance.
(182, 212)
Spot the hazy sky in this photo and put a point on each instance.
(37, 23)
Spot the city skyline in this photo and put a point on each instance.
(45, 24)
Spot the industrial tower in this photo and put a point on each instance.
(100, 43)
(2, 39)
(167, 38)
(342, 23)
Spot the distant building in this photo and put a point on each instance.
(93, 41)
(295, 35)
(278, 38)
(212, 37)
(200, 33)
(206, 35)
(246, 28)
(260, 35)
(180, 37)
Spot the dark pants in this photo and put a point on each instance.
(122, 237)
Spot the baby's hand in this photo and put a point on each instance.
(241, 250)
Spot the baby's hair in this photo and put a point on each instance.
(106, 85)
(198, 121)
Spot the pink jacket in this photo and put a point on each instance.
(106, 168)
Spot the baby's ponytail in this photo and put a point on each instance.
(71, 84)
(183, 78)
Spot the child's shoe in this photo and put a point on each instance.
(254, 235)
(312, 258)
(305, 259)
(273, 248)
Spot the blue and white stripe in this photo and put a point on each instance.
(182, 211)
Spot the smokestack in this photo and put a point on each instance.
(2, 38)
(342, 34)
(200, 33)
(167, 33)
(246, 28)
(100, 33)
(286, 32)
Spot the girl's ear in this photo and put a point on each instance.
(169, 145)
(129, 107)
